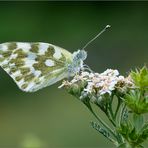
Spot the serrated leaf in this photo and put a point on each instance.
(103, 131)
(140, 77)
(136, 101)
(100, 129)
(125, 115)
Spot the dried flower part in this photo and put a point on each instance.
(124, 84)
(65, 84)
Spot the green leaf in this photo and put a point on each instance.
(125, 115)
(125, 129)
(100, 129)
(133, 135)
(136, 100)
(138, 121)
(126, 145)
(123, 145)
(145, 126)
(140, 146)
(140, 78)
(143, 133)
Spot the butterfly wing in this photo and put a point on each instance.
(34, 65)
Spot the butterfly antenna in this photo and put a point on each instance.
(107, 26)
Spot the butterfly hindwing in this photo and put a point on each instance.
(34, 65)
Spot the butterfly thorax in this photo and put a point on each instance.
(77, 62)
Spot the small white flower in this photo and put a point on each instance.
(89, 88)
(91, 75)
(121, 78)
(84, 74)
(102, 83)
(104, 90)
(110, 72)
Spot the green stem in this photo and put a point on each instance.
(100, 120)
(110, 118)
(117, 136)
(117, 109)
(121, 114)
(107, 114)
(120, 120)
(110, 107)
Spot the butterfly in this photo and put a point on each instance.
(36, 65)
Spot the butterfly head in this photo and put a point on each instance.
(77, 62)
(80, 55)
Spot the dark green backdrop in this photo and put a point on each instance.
(51, 117)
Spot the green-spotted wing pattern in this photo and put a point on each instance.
(34, 65)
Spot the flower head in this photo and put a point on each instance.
(98, 84)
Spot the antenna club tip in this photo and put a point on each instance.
(108, 26)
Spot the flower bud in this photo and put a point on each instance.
(76, 88)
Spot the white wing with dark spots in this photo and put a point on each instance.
(34, 65)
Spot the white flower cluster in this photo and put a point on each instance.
(102, 83)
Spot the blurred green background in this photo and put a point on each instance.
(51, 118)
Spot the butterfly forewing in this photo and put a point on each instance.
(34, 65)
